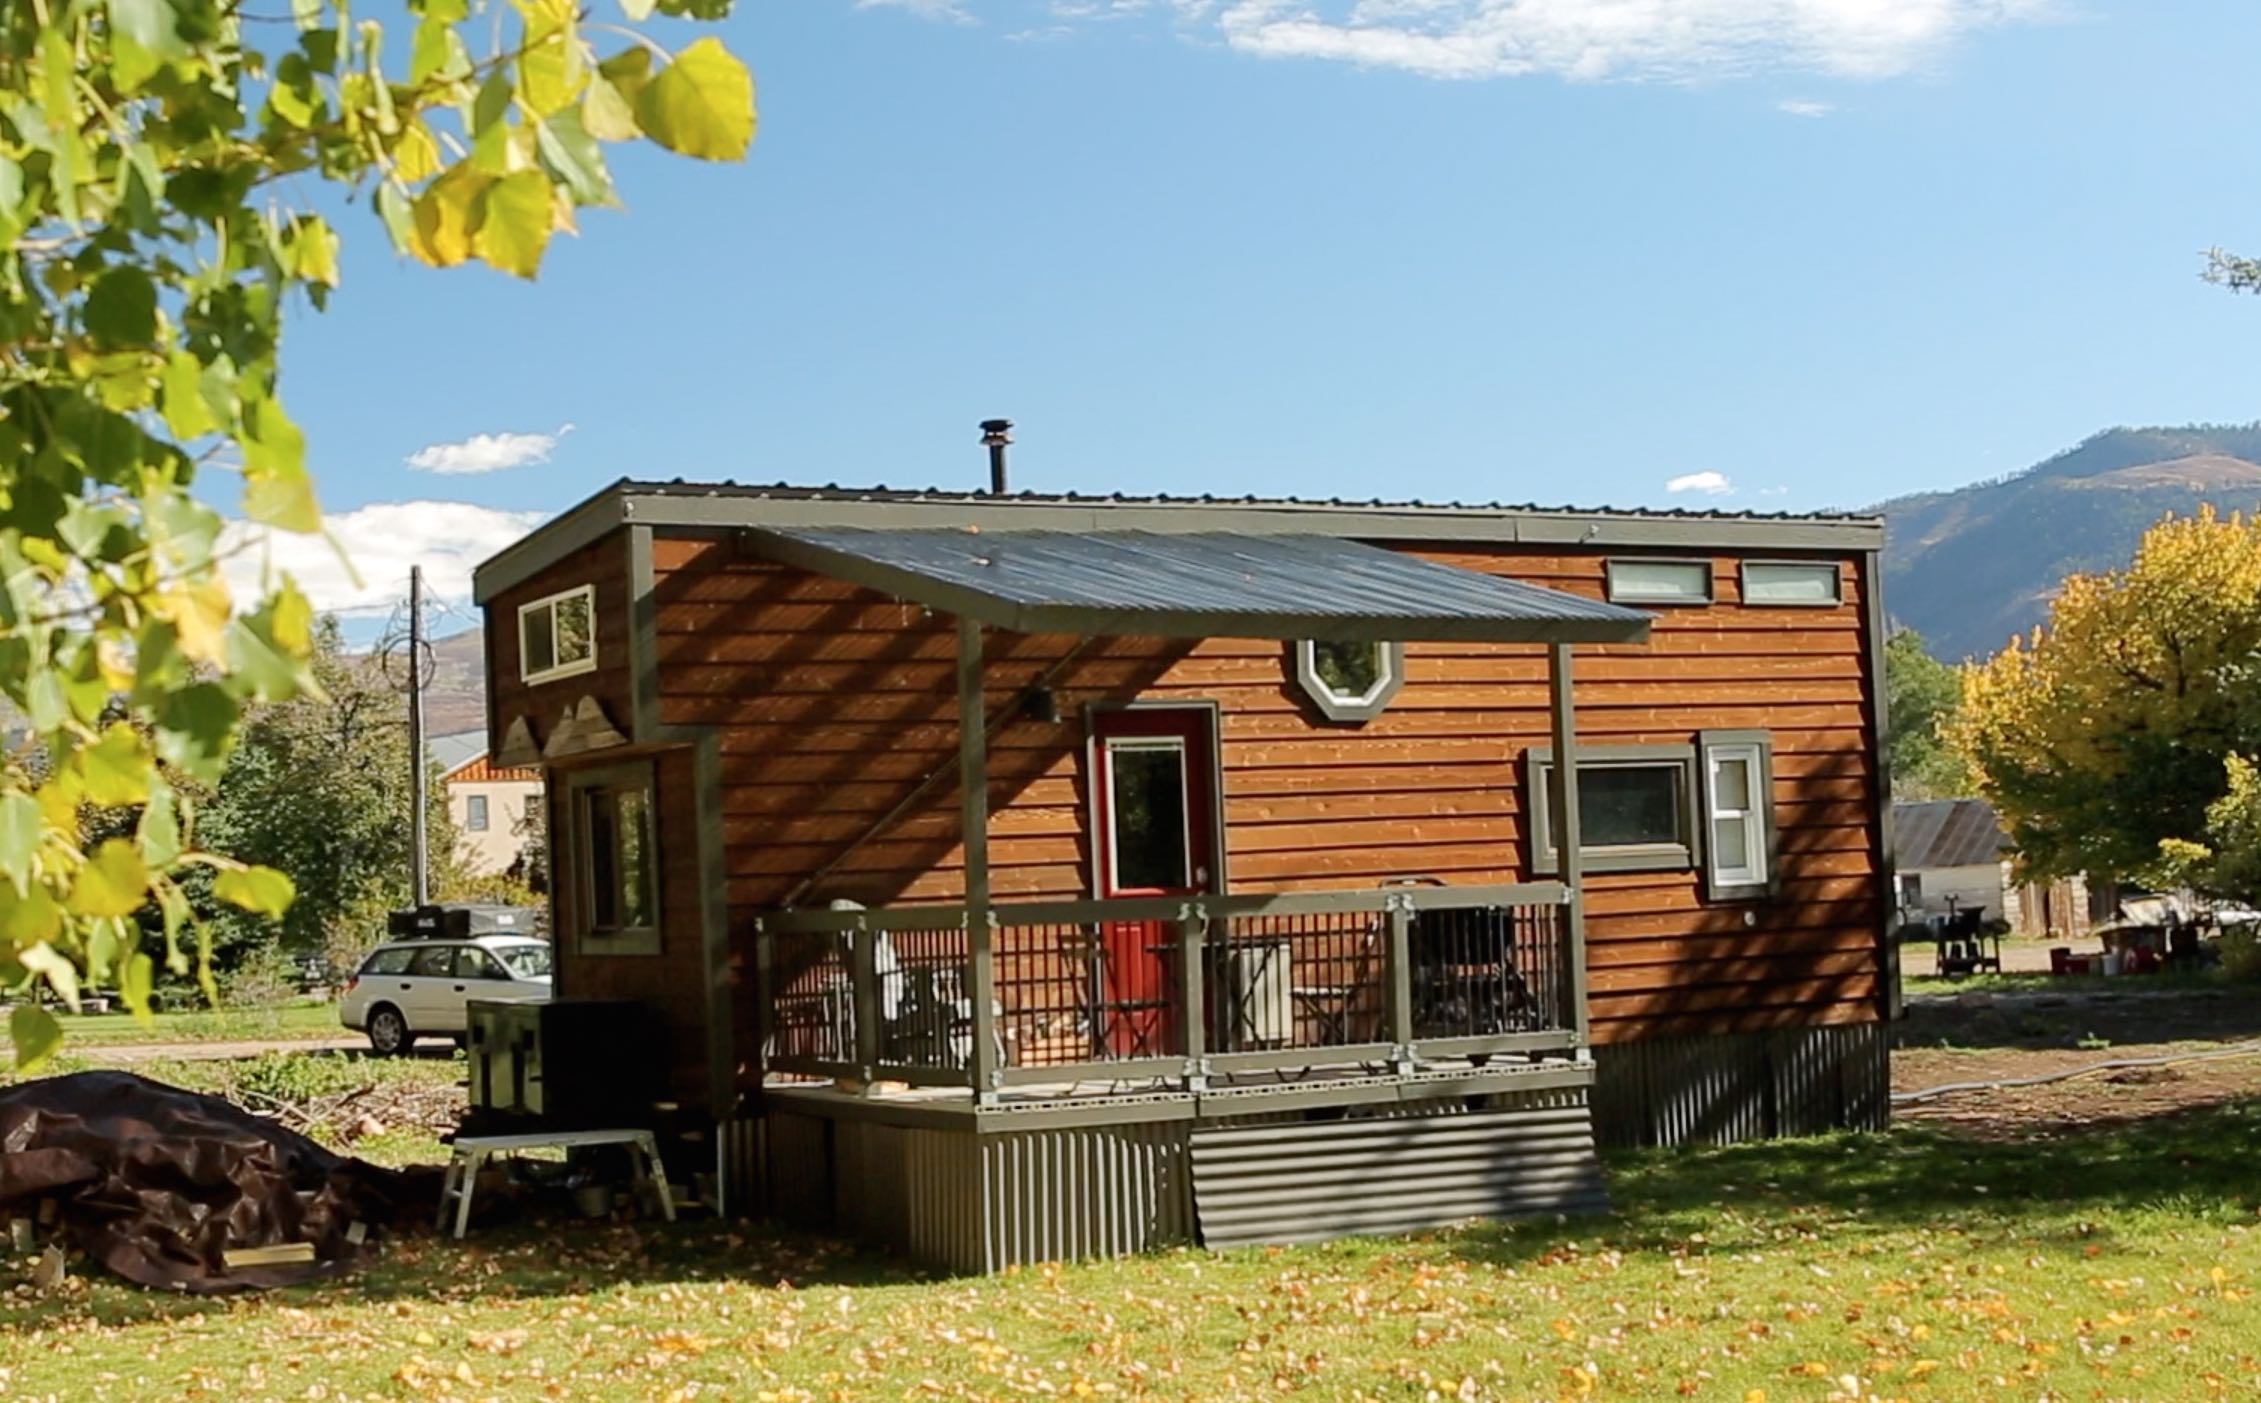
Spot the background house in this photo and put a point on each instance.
(1952, 854)
(487, 802)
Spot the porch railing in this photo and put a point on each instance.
(1171, 989)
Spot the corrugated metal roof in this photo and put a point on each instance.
(1199, 584)
(788, 491)
(1946, 833)
(450, 752)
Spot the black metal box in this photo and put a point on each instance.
(566, 1063)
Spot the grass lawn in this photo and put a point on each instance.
(2115, 1264)
(2164, 982)
(302, 1019)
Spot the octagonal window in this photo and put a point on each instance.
(1349, 681)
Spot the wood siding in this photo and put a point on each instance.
(835, 705)
(673, 978)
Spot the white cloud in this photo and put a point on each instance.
(382, 540)
(1711, 484)
(1579, 39)
(487, 453)
(1805, 107)
(948, 10)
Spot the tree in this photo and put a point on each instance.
(318, 789)
(168, 169)
(1922, 695)
(2112, 731)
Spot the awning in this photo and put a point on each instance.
(1206, 584)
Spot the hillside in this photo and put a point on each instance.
(457, 697)
(1972, 567)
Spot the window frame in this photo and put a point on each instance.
(1617, 595)
(547, 604)
(1644, 857)
(476, 815)
(618, 940)
(1304, 659)
(1757, 879)
(1836, 570)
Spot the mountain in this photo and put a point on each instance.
(456, 700)
(1971, 567)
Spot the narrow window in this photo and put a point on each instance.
(1146, 804)
(1738, 813)
(1795, 583)
(1349, 681)
(475, 813)
(1643, 581)
(557, 635)
(1635, 809)
(614, 842)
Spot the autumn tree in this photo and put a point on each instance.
(2114, 729)
(1922, 695)
(168, 171)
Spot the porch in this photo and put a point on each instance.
(1204, 1005)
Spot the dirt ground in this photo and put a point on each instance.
(1991, 1037)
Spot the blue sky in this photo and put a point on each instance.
(1553, 251)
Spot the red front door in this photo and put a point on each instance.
(1155, 798)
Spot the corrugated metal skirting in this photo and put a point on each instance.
(1724, 1088)
(1313, 1180)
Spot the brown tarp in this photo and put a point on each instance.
(156, 1183)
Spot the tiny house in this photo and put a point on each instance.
(1027, 877)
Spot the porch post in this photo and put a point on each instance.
(1562, 806)
(973, 798)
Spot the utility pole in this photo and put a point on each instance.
(416, 766)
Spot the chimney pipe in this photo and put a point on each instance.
(995, 434)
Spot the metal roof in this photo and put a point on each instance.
(1199, 584)
(1946, 833)
(451, 752)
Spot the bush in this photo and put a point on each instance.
(2241, 954)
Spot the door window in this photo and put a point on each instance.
(393, 960)
(1146, 799)
(471, 962)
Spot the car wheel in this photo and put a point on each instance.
(388, 1032)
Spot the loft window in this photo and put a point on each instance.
(616, 910)
(1738, 813)
(1795, 583)
(1349, 681)
(1636, 809)
(1635, 580)
(475, 813)
(557, 636)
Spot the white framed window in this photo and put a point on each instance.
(1738, 813)
(1647, 580)
(475, 813)
(1349, 681)
(557, 635)
(1811, 584)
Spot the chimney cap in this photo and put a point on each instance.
(996, 431)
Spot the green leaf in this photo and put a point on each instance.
(399, 218)
(114, 881)
(515, 222)
(117, 768)
(606, 115)
(492, 103)
(22, 826)
(702, 104)
(262, 890)
(136, 980)
(159, 831)
(35, 1034)
(575, 158)
(194, 726)
(121, 308)
(186, 413)
(144, 36)
(438, 53)
(314, 250)
(25, 922)
(637, 10)
(447, 216)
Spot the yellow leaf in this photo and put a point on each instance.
(114, 881)
(198, 612)
(314, 251)
(515, 222)
(416, 157)
(447, 216)
(702, 104)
